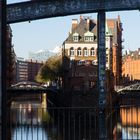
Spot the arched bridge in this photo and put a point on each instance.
(32, 87)
(27, 84)
(131, 89)
(29, 90)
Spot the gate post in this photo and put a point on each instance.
(101, 75)
(3, 108)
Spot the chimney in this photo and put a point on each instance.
(88, 23)
(81, 17)
(74, 24)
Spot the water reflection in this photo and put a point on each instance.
(27, 119)
(34, 121)
(128, 124)
(29, 133)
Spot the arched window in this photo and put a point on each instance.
(92, 52)
(71, 51)
(79, 52)
(85, 52)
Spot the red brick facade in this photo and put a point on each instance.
(33, 69)
(131, 66)
(116, 27)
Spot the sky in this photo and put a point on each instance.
(46, 34)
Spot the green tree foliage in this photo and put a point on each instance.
(51, 70)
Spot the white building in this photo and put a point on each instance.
(81, 44)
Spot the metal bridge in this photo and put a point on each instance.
(27, 87)
(33, 10)
(38, 9)
(26, 84)
(131, 88)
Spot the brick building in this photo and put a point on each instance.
(21, 70)
(80, 51)
(131, 66)
(33, 69)
(27, 70)
(115, 26)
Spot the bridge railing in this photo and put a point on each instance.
(33, 123)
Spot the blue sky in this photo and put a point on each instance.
(48, 33)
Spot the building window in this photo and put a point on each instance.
(92, 52)
(88, 36)
(79, 52)
(92, 84)
(89, 39)
(106, 58)
(72, 51)
(75, 38)
(85, 52)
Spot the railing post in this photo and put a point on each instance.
(3, 108)
(101, 75)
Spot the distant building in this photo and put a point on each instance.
(131, 66)
(21, 70)
(33, 69)
(27, 70)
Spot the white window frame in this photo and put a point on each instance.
(92, 52)
(79, 52)
(85, 52)
(89, 38)
(75, 38)
(72, 51)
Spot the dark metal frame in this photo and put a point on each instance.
(38, 9)
(35, 10)
(3, 69)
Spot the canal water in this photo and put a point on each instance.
(27, 118)
(33, 120)
(128, 123)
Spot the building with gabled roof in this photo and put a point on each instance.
(80, 49)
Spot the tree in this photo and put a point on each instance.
(51, 70)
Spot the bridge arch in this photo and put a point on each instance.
(26, 84)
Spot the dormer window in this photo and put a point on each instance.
(88, 36)
(75, 37)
